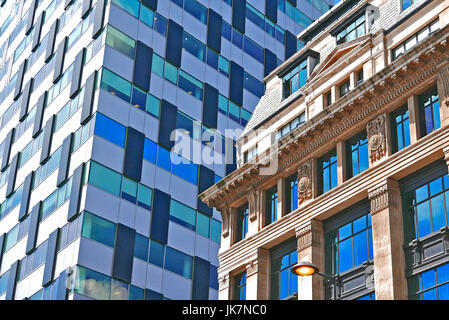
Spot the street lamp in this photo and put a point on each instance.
(305, 268)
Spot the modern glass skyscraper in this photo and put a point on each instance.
(94, 201)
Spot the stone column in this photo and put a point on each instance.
(388, 239)
(413, 114)
(281, 198)
(353, 80)
(311, 248)
(257, 276)
(306, 184)
(224, 290)
(334, 93)
(341, 162)
(443, 93)
(378, 142)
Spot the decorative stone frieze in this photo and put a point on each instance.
(306, 237)
(305, 182)
(387, 195)
(377, 138)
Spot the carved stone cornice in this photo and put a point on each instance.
(305, 182)
(387, 195)
(396, 80)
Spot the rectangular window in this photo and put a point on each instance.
(92, 284)
(415, 39)
(182, 214)
(194, 46)
(115, 85)
(178, 262)
(344, 88)
(110, 130)
(240, 286)
(295, 79)
(400, 129)
(291, 193)
(430, 285)
(141, 246)
(272, 205)
(98, 229)
(242, 222)
(429, 108)
(191, 85)
(130, 6)
(349, 245)
(405, 4)
(284, 283)
(292, 125)
(425, 208)
(357, 154)
(327, 172)
(353, 31)
(105, 178)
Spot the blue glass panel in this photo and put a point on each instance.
(156, 253)
(178, 262)
(344, 231)
(436, 186)
(237, 38)
(284, 288)
(131, 6)
(138, 98)
(428, 279)
(185, 169)
(359, 224)
(253, 85)
(212, 59)
(141, 245)
(254, 50)
(422, 193)
(110, 130)
(163, 158)
(345, 250)
(360, 249)
(146, 15)
(443, 292)
(150, 150)
(423, 217)
(443, 273)
(135, 293)
(213, 277)
(196, 9)
(194, 46)
(438, 218)
(226, 30)
(430, 295)
(160, 24)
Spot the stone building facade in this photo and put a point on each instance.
(354, 127)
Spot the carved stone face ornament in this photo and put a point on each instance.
(376, 138)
